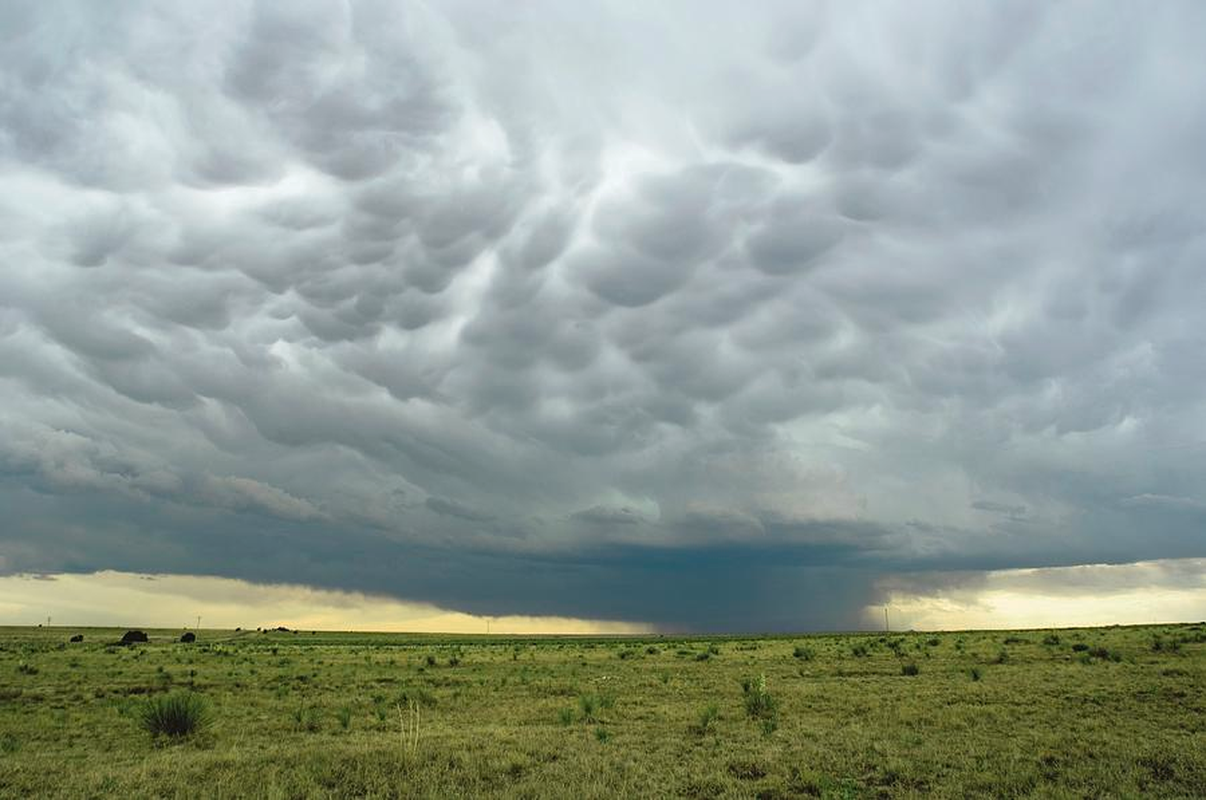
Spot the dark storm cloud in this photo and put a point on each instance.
(709, 319)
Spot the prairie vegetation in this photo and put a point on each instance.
(1090, 712)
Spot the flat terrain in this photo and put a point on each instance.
(1115, 712)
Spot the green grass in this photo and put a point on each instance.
(176, 716)
(367, 715)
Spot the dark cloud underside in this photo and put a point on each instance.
(705, 316)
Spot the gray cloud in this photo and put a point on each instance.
(712, 341)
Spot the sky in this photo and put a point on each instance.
(674, 316)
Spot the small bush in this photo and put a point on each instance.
(651, 650)
(1161, 645)
(804, 653)
(759, 703)
(1079, 647)
(910, 668)
(27, 669)
(1105, 654)
(704, 656)
(976, 673)
(1002, 657)
(176, 715)
(1051, 639)
(933, 642)
(431, 661)
(859, 651)
(344, 715)
(565, 716)
(602, 735)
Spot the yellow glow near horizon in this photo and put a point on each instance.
(1145, 592)
(175, 601)
(1099, 594)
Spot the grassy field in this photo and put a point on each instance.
(1110, 712)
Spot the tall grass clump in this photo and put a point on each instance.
(760, 704)
(589, 705)
(175, 715)
(707, 720)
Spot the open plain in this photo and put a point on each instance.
(1106, 712)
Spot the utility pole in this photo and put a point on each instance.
(887, 627)
(47, 620)
(198, 622)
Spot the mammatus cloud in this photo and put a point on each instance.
(706, 317)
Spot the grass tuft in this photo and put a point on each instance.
(707, 720)
(177, 715)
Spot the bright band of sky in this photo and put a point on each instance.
(1145, 592)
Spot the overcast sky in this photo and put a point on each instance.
(702, 316)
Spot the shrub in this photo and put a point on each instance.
(602, 735)
(976, 673)
(704, 656)
(714, 649)
(565, 716)
(27, 669)
(804, 653)
(1002, 657)
(759, 703)
(1051, 639)
(1105, 654)
(344, 715)
(859, 651)
(454, 661)
(431, 661)
(910, 668)
(175, 715)
(1079, 647)
(1160, 645)
(651, 650)
(933, 642)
